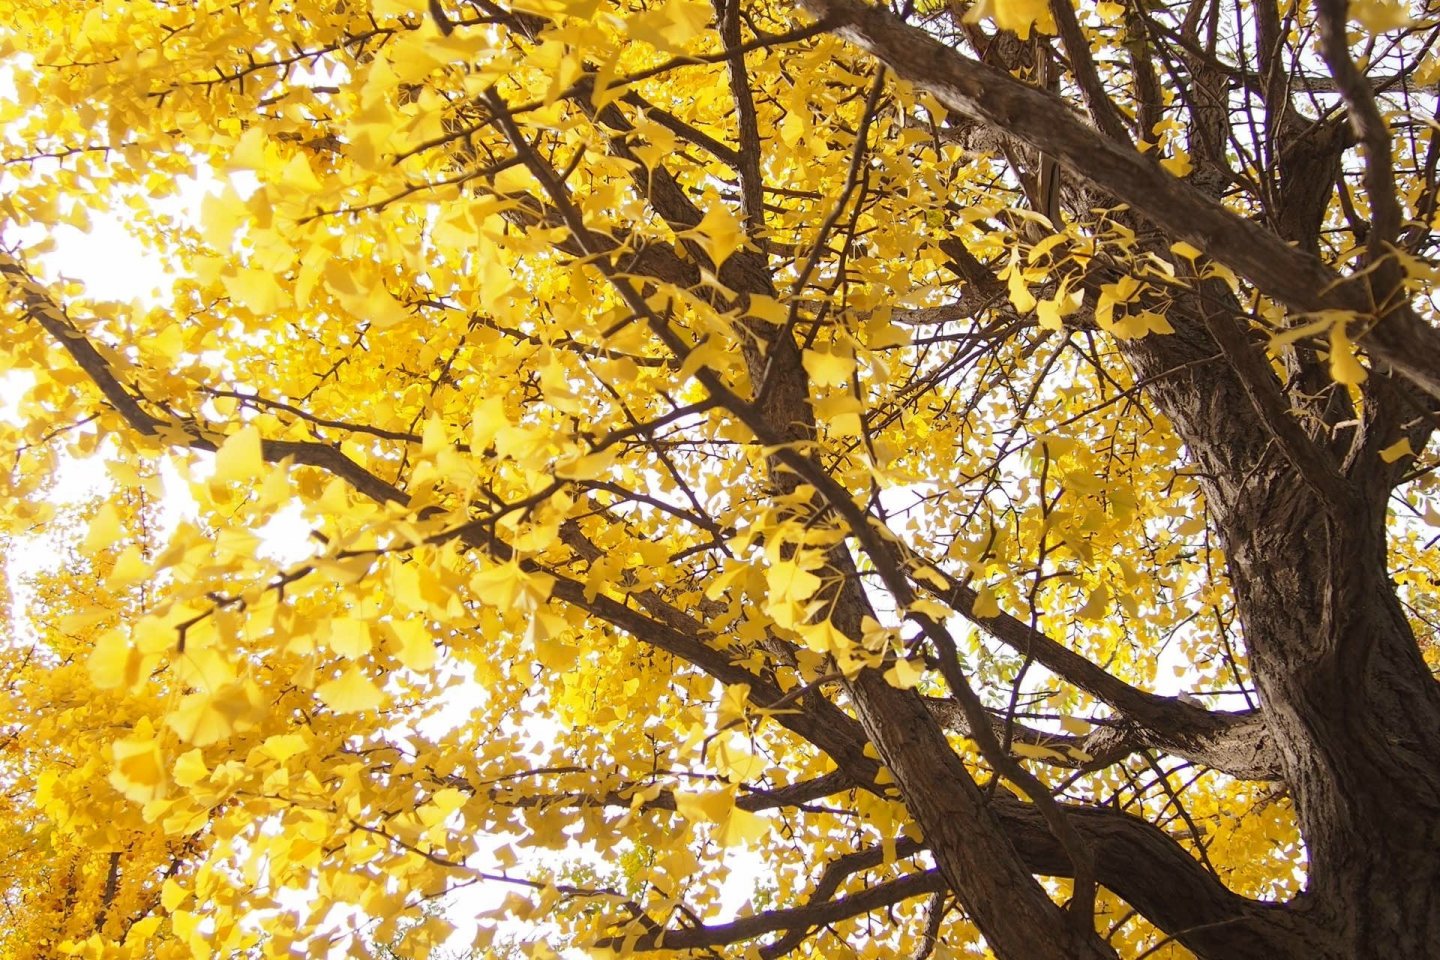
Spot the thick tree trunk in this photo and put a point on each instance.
(1352, 708)
(963, 832)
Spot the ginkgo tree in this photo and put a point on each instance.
(809, 478)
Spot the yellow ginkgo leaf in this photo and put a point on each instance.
(130, 568)
(282, 747)
(986, 604)
(671, 26)
(190, 769)
(742, 828)
(904, 674)
(201, 719)
(172, 894)
(1178, 163)
(351, 692)
(1400, 448)
(828, 369)
(1016, 15)
(104, 530)
(258, 290)
(790, 582)
(584, 9)
(1033, 751)
(735, 762)
(486, 420)
(1344, 366)
(139, 765)
(821, 637)
(719, 233)
(1378, 16)
(1020, 295)
(414, 646)
(1096, 604)
(115, 662)
(350, 637)
(240, 457)
(711, 806)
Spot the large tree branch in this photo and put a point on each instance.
(751, 152)
(1014, 912)
(1236, 743)
(1373, 132)
(1136, 860)
(1087, 76)
(1291, 276)
(1145, 866)
(126, 401)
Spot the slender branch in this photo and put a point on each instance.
(1082, 64)
(752, 184)
(878, 897)
(1370, 127)
(835, 873)
(1311, 461)
(38, 306)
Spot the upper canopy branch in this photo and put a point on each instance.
(1297, 279)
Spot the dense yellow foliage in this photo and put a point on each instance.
(415, 322)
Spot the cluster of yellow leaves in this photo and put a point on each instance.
(378, 711)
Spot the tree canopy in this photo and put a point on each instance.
(723, 478)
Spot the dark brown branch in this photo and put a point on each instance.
(1299, 280)
(1082, 64)
(112, 886)
(751, 148)
(1154, 874)
(795, 796)
(722, 152)
(265, 403)
(1311, 461)
(49, 315)
(1370, 128)
(881, 895)
(831, 877)
(38, 306)
(1235, 743)
(935, 911)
